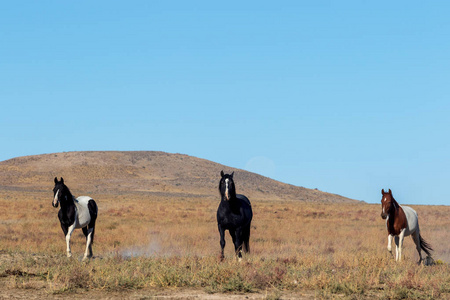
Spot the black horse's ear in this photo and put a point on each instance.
(221, 173)
(56, 180)
(62, 180)
(390, 192)
(232, 174)
(382, 191)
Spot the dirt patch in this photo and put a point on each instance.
(20, 294)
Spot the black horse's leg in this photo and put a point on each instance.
(246, 238)
(237, 241)
(222, 241)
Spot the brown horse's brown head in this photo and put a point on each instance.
(386, 203)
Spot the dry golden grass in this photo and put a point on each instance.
(143, 242)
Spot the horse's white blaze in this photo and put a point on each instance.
(227, 196)
(55, 200)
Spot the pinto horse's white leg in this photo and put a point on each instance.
(389, 246)
(69, 233)
(88, 252)
(399, 244)
(396, 240)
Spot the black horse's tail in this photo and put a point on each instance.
(425, 246)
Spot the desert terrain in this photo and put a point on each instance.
(157, 238)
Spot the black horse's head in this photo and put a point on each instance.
(60, 192)
(226, 186)
(387, 202)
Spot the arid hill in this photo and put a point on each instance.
(146, 172)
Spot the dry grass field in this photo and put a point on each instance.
(163, 245)
(157, 238)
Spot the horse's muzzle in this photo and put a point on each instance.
(384, 216)
(55, 205)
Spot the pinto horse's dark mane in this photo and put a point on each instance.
(394, 204)
(64, 190)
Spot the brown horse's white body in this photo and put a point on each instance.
(401, 221)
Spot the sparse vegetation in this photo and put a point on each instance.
(153, 243)
(165, 240)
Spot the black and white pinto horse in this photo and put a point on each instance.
(78, 212)
(235, 215)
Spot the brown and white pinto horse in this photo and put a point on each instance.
(401, 221)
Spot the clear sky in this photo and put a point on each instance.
(345, 96)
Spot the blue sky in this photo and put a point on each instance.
(345, 96)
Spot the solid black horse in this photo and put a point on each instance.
(78, 212)
(235, 215)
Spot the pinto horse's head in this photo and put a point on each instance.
(58, 191)
(226, 186)
(386, 203)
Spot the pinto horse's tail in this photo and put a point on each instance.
(425, 246)
(93, 211)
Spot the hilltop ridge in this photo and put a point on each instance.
(122, 172)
